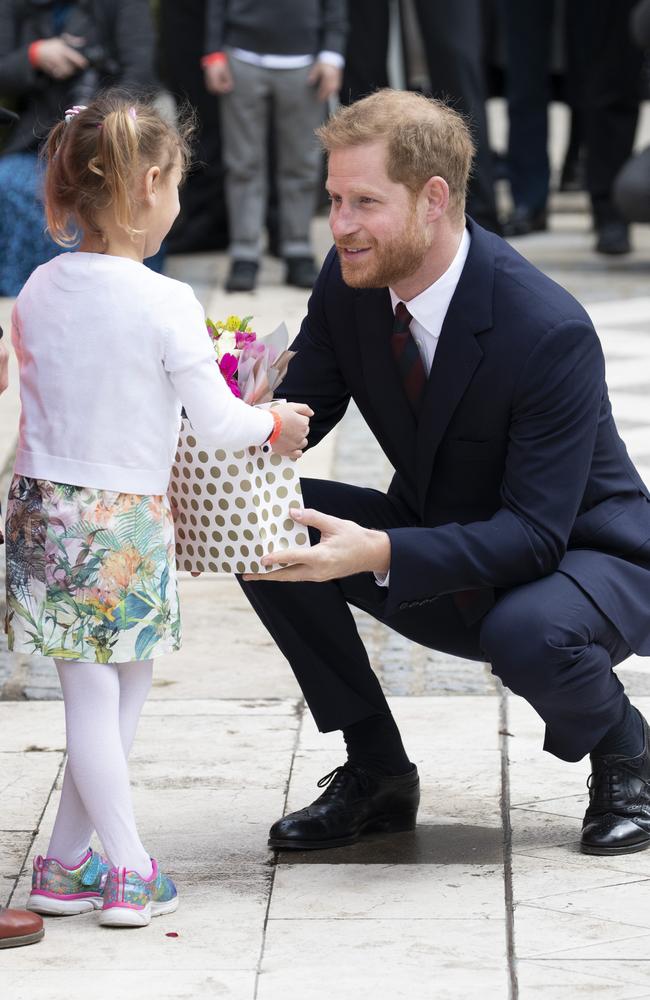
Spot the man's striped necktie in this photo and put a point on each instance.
(407, 356)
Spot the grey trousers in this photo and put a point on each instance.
(296, 112)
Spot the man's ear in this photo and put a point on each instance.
(151, 182)
(436, 192)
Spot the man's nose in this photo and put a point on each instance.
(342, 222)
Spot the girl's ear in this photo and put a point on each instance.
(151, 182)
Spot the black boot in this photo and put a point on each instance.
(354, 802)
(618, 818)
(242, 276)
(301, 272)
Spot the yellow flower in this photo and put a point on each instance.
(233, 323)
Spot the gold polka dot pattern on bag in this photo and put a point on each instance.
(231, 508)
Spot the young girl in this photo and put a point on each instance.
(108, 352)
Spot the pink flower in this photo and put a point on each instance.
(228, 368)
(254, 350)
(243, 337)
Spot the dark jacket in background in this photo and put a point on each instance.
(122, 28)
(284, 27)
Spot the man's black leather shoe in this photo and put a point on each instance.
(618, 818)
(354, 802)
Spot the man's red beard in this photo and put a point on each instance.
(387, 263)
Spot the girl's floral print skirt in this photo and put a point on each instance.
(90, 574)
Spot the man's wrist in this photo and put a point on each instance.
(331, 58)
(32, 52)
(379, 552)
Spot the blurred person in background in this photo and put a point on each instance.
(289, 56)
(632, 184)
(608, 68)
(203, 223)
(527, 31)
(55, 54)
(451, 34)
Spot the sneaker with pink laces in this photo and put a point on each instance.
(60, 891)
(131, 901)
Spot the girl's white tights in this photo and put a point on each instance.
(102, 702)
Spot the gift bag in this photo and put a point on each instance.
(232, 507)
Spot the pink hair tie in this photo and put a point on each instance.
(74, 111)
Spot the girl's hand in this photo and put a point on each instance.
(295, 429)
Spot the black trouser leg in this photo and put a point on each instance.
(528, 35)
(314, 628)
(451, 32)
(367, 49)
(608, 78)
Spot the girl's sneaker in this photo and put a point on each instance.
(131, 901)
(59, 891)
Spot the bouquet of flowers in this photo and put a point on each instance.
(252, 367)
(231, 508)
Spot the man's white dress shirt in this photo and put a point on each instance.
(428, 310)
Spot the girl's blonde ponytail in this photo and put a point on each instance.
(95, 159)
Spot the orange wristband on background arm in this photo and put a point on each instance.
(277, 427)
(214, 57)
(32, 53)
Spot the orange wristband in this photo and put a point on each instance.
(277, 427)
(32, 53)
(214, 57)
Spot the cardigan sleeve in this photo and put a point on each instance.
(219, 418)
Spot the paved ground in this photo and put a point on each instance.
(487, 898)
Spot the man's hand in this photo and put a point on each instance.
(4, 366)
(345, 548)
(59, 58)
(327, 78)
(218, 78)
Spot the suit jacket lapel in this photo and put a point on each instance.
(458, 353)
(381, 378)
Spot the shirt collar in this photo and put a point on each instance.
(425, 308)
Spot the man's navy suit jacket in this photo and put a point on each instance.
(515, 468)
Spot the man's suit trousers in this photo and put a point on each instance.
(546, 640)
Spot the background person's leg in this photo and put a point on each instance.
(296, 113)
(366, 55)
(451, 33)
(528, 38)
(244, 123)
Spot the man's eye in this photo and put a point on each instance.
(367, 201)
